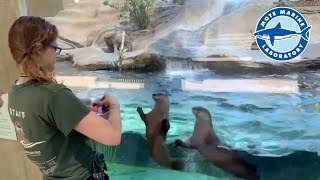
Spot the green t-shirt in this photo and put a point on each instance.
(44, 116)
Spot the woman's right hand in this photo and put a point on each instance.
(97, 128)
(108, 101)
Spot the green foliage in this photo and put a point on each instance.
(139, 11)
(283, 3)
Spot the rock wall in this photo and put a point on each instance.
(80, 20)
(44, 8)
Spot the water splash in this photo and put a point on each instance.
(180, 65)
(198, 13)
(182, 35)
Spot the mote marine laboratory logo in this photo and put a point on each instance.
(282, 33)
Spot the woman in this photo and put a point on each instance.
(55, 127)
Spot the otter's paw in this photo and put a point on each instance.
(178, 143)
(139, 110)
(165, 126)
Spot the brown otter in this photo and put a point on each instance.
(114, 42)
(157, 127)
(207, 143)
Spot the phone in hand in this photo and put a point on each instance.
(100, 110)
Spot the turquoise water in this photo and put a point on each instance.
(276, 124)
(264, 124)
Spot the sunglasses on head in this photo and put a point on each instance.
(56, 48)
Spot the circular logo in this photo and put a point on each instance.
(282, 33)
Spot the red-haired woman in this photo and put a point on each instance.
(56, 125)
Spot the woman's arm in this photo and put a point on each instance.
(105, 130)
(67, 112)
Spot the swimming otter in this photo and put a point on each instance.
(207, 143)
(157, 127)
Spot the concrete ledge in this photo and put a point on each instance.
(243, 85)
(246, 65)
(92, 82)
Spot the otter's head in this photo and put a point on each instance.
(201, 113)
(160, 98)
(18, 126)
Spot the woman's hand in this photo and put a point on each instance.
(109, 102)
(106, 128)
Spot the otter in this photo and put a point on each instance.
(157, 127)
(114, 42)
(207, 143)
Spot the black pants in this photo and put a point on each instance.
(105, 178)
(98, 166)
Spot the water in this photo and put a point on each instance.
(264, 124)
(276, 124)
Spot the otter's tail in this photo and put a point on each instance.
(177, 164)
